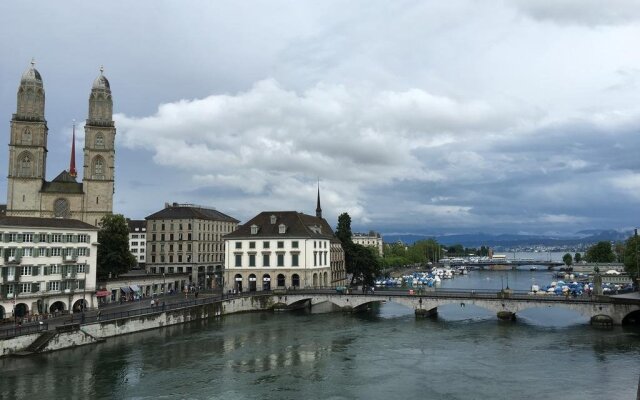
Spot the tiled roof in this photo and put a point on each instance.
(63, 183)
(298, 225)
(34, 222)
(140, 224)
(186, 212)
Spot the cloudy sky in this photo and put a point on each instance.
(416, 116)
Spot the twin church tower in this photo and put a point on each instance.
(28, 192)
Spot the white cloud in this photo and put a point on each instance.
(582, 12)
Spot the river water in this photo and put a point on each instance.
(385, 353)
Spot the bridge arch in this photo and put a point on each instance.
(633, 318)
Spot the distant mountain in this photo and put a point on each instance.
(515, 240)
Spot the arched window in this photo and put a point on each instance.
(26, 136)
(61, 208)
(99, 141)
(98, 167)
(25, 165)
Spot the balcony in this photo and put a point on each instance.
(70, 259)
(12, 259)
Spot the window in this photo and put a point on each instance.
(42, 252)
(53, 285)
(294, 244)
(282, 228)
(294, 260)
(25, 288)
(81, 268)
(54, 269)
(265, 260)
(162, 237)
(56, 238)
(252, 260)
(281, 245)
(98, 167)
(25, 165)
(26, 136)
(252, 245)
(254, 229)
(28, 237)
(99, 141)
(82, 251)
(13, 237)
(238, 260)
(25, 271)
(68, 238)
(238, 245)
(27, 251)
(265, 245)
(56, 252)
(134, 236)
(315, 258)
(280, 260)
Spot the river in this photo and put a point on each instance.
(385, 353)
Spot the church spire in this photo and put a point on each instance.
(72, 164)
(318, 208)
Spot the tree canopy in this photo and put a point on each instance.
(567, 259)
(600, 252)
(631, 248)
(361, 262)
(114, 256)
(577, 258)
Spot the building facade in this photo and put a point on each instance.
(48, 266)
(138, 240)
(283, 249)
(185, 238)
(29, 194)
(371, 239)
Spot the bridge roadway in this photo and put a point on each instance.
(601, 310)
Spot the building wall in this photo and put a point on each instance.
(138, 244)
(49, 278)
(192, 246)
(369, 240)
(313, 269)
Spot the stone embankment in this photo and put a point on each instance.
(72, 335)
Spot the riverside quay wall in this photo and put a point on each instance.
(94, 332)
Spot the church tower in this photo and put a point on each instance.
(99, 153)
(27, 147)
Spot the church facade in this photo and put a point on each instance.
(29, 194)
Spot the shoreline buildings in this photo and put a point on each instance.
(186, 238)
(48, 266)
(371, 239)
(278, 249)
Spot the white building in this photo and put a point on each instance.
(48, 265)
(371, 239)
(138, 240)
(278, 249)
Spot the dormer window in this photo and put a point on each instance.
(254, 229)
(273, 220)
(282, 228)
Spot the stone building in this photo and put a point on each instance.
(371, 239)
(47, 265)
(185, 238)
(29, 194)
(278, 249)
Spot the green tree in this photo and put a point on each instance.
(577, 258)
(343, 230)
(567, 259)
(361, 262)
(631, 248)
(600, 252)
(114, 256)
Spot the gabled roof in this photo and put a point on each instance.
(34, 222)
(134, 224)
(63, 183)
(187, 212)
(297, 224)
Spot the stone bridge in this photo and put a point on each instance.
(600, 311)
